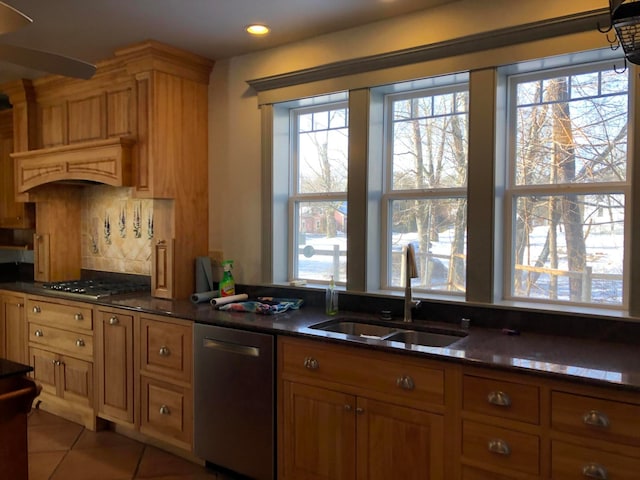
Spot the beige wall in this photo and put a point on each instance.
(235, 164)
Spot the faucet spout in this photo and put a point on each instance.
(410, 271)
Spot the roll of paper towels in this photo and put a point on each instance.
(204, 296)
(216, 302)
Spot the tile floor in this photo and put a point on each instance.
(63, 450)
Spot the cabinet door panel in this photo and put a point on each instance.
(15, 328)
(76, 380)
(114, 350)
(398, 442)
(319, 433)
(44, 369)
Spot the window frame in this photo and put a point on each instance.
(514, 191)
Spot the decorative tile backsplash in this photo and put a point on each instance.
(116, 230)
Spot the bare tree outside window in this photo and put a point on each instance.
(427, 191)
(569, 185)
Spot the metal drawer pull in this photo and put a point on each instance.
(56, 362)
(164, 351)
(164, 410)
(359, 410)
(20, 305)
(347, 407)
(79, 342)
(593, 470)
(596, 419)
(114, 320)
(36, 309)
(499, 399)
(405, 382)
(499, 446)
(78, 316)
(38, 333)
(311, 363)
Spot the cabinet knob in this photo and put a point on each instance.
(164, 410)
(359, 410)
(55, 362)
(595, 418)
(36, 309)
(78, 316)
(311, 363)
(164, 351)
(80, 342)
(38, 333)
(114, 320)
(20, 305)
(348, 407)
(593, 470)
(499, 446)
(499, 399)
(405, 382)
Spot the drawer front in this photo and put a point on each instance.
(75, 316)
(570, 462)
(494, 446)
(595, 417)
(386, 374)
(78, 344)
(166, 348)
(166, 410)
(515, 401)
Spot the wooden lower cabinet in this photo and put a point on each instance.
(343, 426)
(166, 379)
(66, 378)
(115, 372)
(13, 327)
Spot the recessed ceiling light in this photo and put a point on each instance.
(257, 29)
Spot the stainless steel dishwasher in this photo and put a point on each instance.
(234, 409)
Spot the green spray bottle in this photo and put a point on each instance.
(227, 284)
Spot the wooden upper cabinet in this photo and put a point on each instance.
(141, 121)
(13, 214)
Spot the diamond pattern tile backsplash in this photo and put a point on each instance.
(117, 230)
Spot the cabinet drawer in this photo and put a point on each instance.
(166, 410)
(61, 340)
(494, 446)
(595, 417)
(71, 315)
(375, 372)
(570, 462)
(166, 348)
(515, 401)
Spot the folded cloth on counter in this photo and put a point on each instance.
(264, 305)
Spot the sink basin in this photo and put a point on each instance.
(429, 339)
(356, 328)
(363, 329)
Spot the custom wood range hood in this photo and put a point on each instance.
(142, 122)
(103, 161)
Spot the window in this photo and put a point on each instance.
(318, 199)
(425, 189)
(568, 185)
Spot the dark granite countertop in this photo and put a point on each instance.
(582, 360)
(12, 369)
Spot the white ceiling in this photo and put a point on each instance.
(92, 29)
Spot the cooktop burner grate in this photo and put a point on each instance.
(95, 288)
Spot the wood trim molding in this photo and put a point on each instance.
(540, 30)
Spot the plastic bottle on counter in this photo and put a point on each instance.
(227, 284)
(331, 305)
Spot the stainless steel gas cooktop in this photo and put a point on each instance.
(95, 289)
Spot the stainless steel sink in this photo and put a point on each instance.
(430, 339)
(409, 334)
(356, 328)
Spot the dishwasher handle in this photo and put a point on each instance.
(230, 347)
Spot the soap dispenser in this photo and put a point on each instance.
(331, 305)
